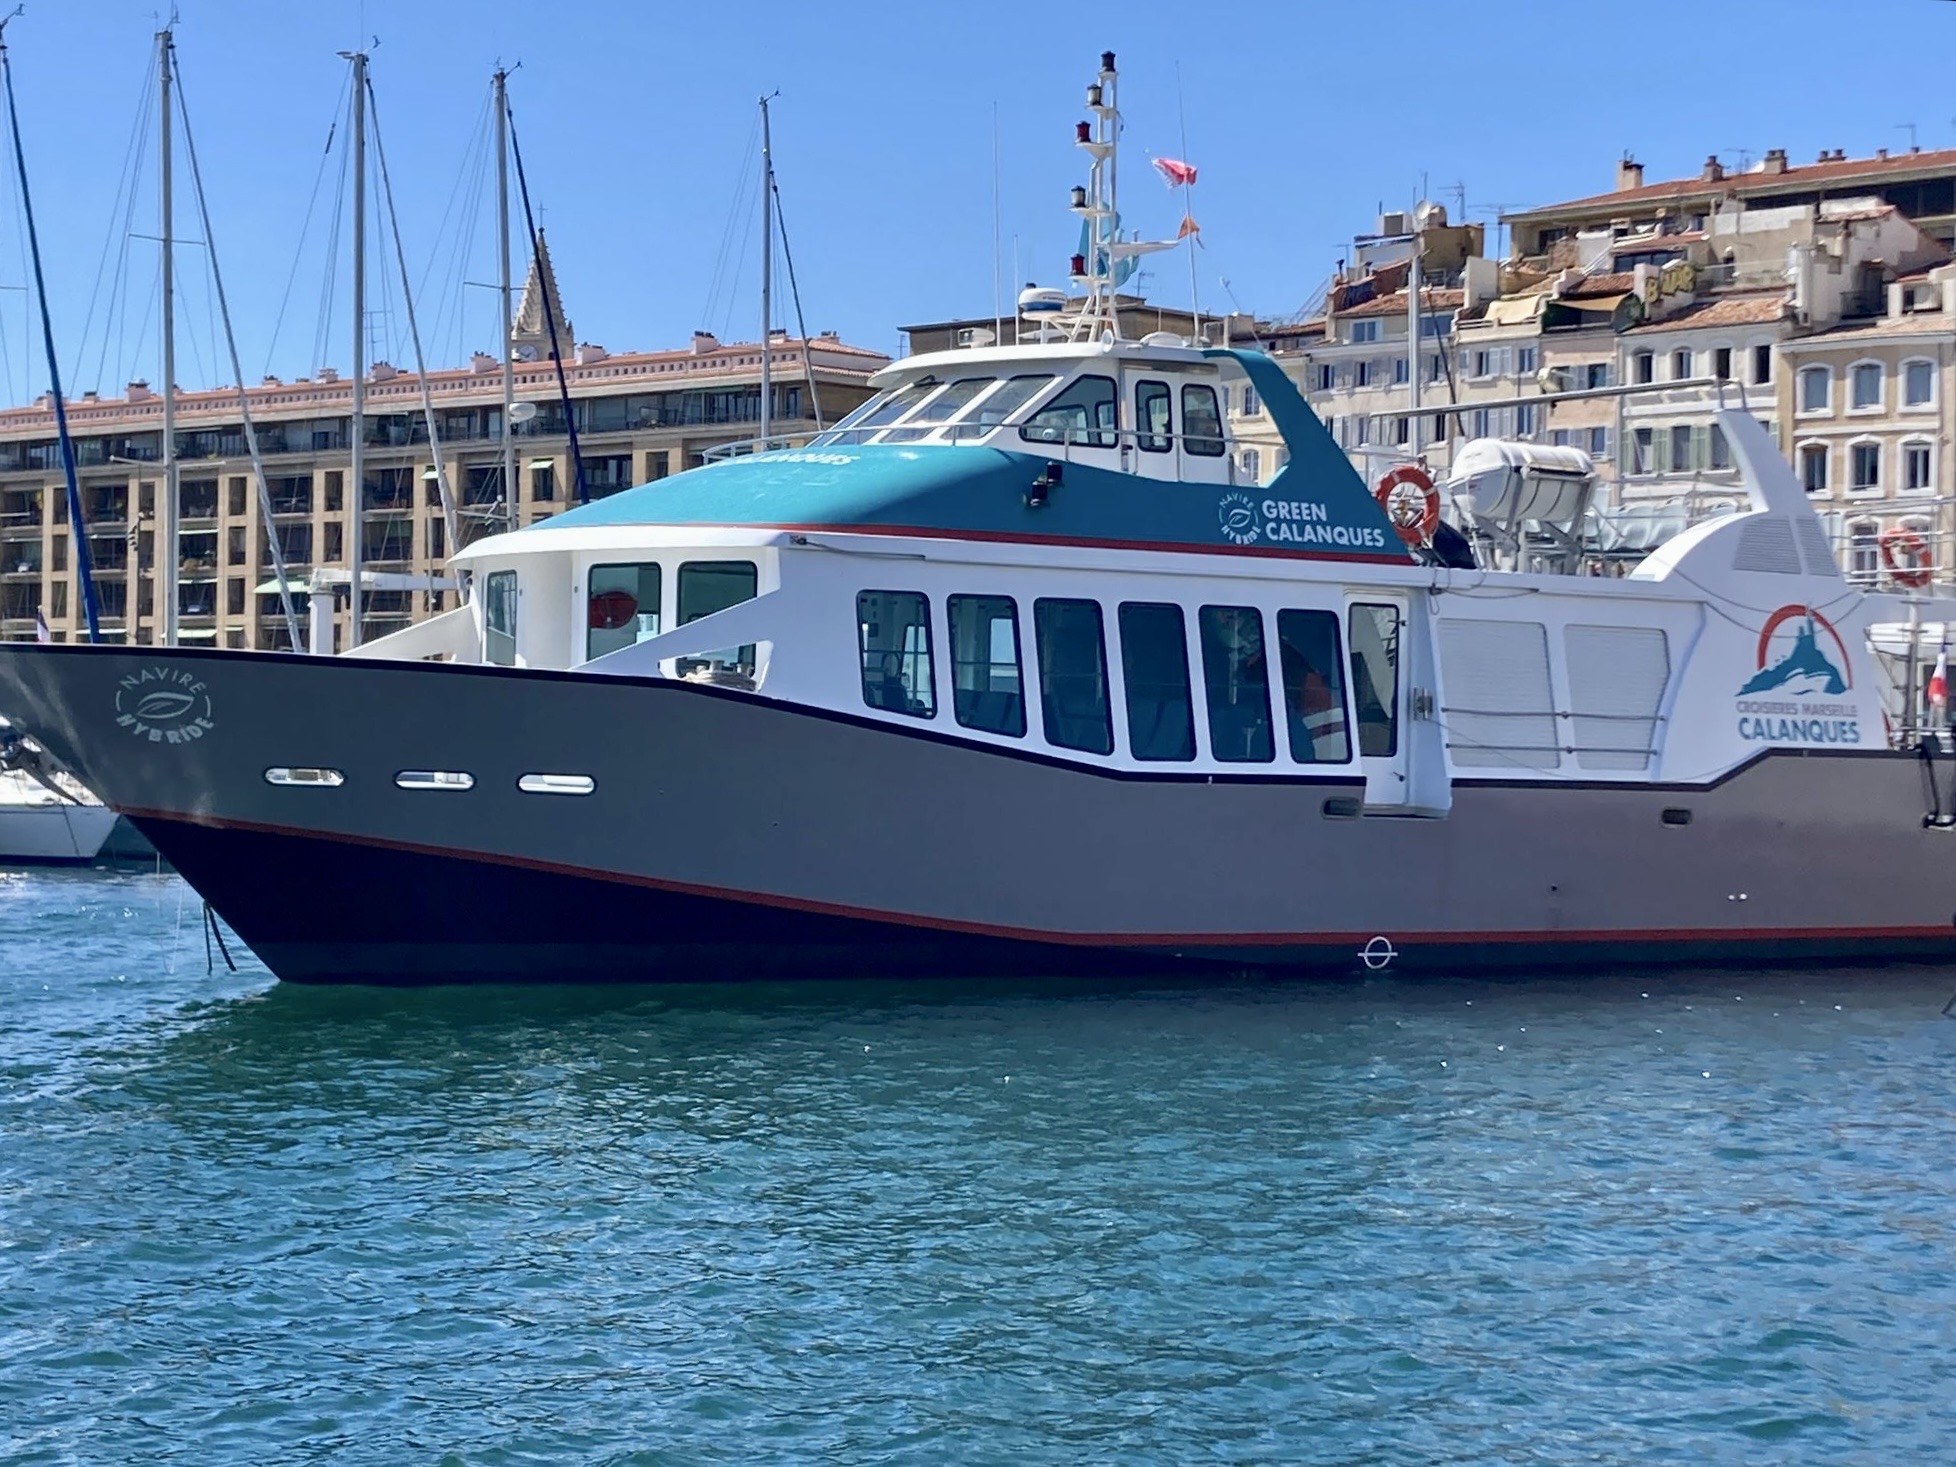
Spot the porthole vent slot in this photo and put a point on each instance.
(556, 784)
(435, 779)
(304, 776)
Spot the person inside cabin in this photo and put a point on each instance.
(890, 691)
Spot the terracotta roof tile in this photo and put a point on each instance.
(1796, 178)
(1729, 310)
(1430, 299)
(1613, 283)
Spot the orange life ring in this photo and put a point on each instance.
(1410, 501)
(1906, 554)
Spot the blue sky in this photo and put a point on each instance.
(635, 119)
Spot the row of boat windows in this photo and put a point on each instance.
(624, 604)
(314, 777)
(988, 693)
(1085, 413)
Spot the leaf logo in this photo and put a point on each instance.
(165, 705)
(1237, 515)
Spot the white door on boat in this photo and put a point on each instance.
(1375, 627)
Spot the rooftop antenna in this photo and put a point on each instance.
(1909, 128)
(1094, 269)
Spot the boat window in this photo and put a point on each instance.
(1314, 693)
(863, 410)
(1375, 678)
(1201, 421)
(1152, 416)
(1084, 415)
(707, 586)
(435, 779)
(893, 629)
(879, 412)
(556, 784)
(986, 691)
(995, 407)
(940, 409)
(621, 607)
(1237, 680)
(499, 618)
(1155, 675)
(305, 777)
(1073, 675)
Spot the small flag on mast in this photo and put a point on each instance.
(1189, 226)
(1939, 681)
(41, 632)
(1178, 173)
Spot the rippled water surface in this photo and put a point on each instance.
(1629, 1219)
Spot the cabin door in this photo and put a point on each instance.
(1375, 632)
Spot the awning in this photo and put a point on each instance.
(1514, 310)
(1601, 304)
(197, 634)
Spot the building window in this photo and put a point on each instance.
(1722, 363)
(543, 483)
(1155, 677)
(499, 618)
(1400, 372)
(893, 631)
(1681, 364)
(1816, 386)
(1863, 551)
(1252, 406)
(1364, 331)
(1643, 449)
(1596, 374)
(1402, 430)
(1918, 384)
(1482, 423)
(1599, 443)
(657, 465)
(1314, 694)
(1237, 681)
(1643, 367)
(1524, 419)
(236, 497)
(1864, 467)
(1864, 386)
(1525, 359)
(986, 690)
(234, 596)
(1721, 450)
(621, 607)
(1813, 467)
(1252, 466)
(1762, 364)
(1327, 377)
(1361, 432)
(1918, 466)
(1683, 460)
(1073, 703)
(1361, 374)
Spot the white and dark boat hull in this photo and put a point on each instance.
(729, 836)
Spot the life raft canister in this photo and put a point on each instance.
(1410, 501)
(610, 610)
(1906, 554)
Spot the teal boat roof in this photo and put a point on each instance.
(1315, 506)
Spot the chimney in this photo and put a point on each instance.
(482, 362)
(705, 341)
(1880, 154)
(1714, 170)
(1775, 161)
(329, 374)
(91, 396)
(383, 372)
(1629, 173)
(139, 391)
(589, 355)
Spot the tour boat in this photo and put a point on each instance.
(1016, 671)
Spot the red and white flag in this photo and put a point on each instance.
(1178, 173)
(1939, 680)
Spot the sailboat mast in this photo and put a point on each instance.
(767, 278)
(356, 470)
(168, 543)
(508, 315)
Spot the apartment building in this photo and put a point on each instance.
(639, 417)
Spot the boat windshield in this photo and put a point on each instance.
(987, 412)
(878, 412)
(947, 405)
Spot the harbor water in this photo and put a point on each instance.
(1706, 1217)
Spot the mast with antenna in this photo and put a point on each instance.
(1412, 328)
(507, 348)
(1093, 268)
(168, 541)
(767, 278)
(356, 469)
